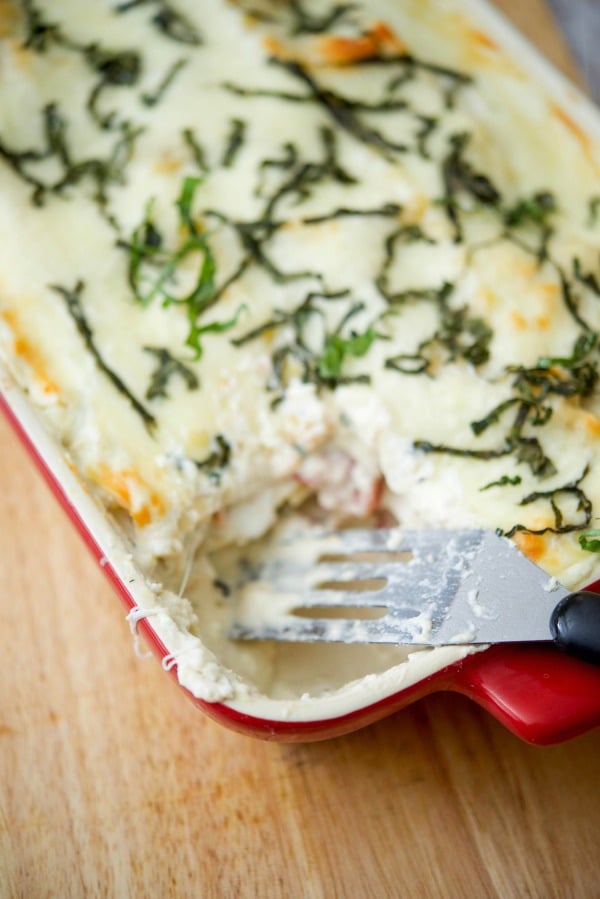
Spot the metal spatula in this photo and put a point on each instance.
(421, 588)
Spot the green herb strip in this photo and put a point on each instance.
(306, 23)
(72, 298)
(168, 367)
(152, 268)
(253, 236)
(504, 481)
(583, 508)
(115, 70)
(344, 112)
(301, 177)
(167, 20)
(588, 279)
(451, 81)
(196, 149)
(217, 460)
(101, 173)
(590, 540)
(388, 210)
(460, 177)
(536, 210)
(39, 33)
(306, 175)
(573, 376)
(337, 349)
(235, 143)
(323, 366)
(157, 95)
(405, 234)
(593, 211)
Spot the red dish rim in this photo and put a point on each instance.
(537, 692)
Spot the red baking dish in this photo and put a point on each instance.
(540, 694)
(537, 692)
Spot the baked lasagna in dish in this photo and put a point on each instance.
(272, 265)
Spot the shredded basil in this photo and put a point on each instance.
(337, 349)
(157, 95)
(532, 213)
(428, 125)
(590, 540)
(305, 23)
(72, 298)
(461, 178)
(217, 460)
(39, 34)
(504, 481)
(408, 363)
(253, 236)
(388, 210)
(168, 367)
(197, 330)
(167, 19)
(235, 142)
(588, 279)
(593, 210)
(322, 365)
(484, 454)
(458, 334)
(121, 69)
(533, 388)
(152, 269)
(344, 112)
(554, 497)
(196, 149)
(451, 81)
(404, 234)
(536, 210)
(100, 173)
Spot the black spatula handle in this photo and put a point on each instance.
(575, 625)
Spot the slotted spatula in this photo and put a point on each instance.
(418, 588)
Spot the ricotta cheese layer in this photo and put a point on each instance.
(270, 260)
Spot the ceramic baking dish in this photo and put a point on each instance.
(537, 692)
(540, 694)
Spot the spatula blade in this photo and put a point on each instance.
(453, 587)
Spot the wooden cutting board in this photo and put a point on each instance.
(112, 784)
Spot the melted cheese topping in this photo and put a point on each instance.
(260, 253)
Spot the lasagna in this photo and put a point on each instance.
(273, 262)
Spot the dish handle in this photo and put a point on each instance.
(539, 693)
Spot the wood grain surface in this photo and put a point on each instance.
(113, 785)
